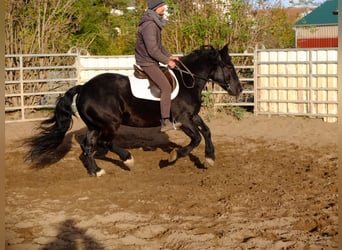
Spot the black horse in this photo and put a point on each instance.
(106, 101)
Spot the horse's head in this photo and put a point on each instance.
(224, 73)
(208, 63)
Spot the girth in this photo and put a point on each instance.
(155, 91)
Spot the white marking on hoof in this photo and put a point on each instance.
(100, 173)
(130, 162)
(210, 161)
(173, 156)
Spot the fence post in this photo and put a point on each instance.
(255, 61)
(21, 79)
(311, 91)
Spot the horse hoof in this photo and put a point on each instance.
(129, 162)
(100, 173)
(173, 156)
(210, 161)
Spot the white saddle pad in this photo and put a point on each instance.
(140, 88)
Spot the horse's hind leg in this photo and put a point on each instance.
(107, 140)
(124, 154)
(87, 156)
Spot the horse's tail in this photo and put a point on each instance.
(53, 129)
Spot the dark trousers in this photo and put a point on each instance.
(154, 72)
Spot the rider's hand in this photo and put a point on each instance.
(174, 58)
(172, 64)
(172, 61)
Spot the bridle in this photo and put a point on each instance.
(186, 70)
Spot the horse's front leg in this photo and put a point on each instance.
(190, 129)
(209, 147)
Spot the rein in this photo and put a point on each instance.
(187, 71)
(193, 76)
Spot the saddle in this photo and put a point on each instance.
(155, 91)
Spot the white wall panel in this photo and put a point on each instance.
(91, 66)
(297, 82)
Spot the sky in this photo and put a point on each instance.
(295, 3)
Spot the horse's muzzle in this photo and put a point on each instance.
(235, 89)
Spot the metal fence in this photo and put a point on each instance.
(90, 66)
(32, 83)
(289, 82)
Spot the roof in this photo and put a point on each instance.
(322, 15)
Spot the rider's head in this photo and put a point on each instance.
(155, 4)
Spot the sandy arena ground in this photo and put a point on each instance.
(273, 186)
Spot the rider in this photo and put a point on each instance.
(149, 52)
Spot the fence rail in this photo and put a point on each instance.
(275, 82)
(33, 82)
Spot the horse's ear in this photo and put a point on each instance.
(225, 49)
(224, 53)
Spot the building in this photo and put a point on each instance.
(319, 28)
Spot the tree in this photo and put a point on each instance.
(208, 22)
(52, 26)
(37, 26)
(107, 27)
(239, 23)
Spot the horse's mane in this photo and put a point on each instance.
(207, 52)
(205, 49)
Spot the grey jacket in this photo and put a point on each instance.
(149, 48)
